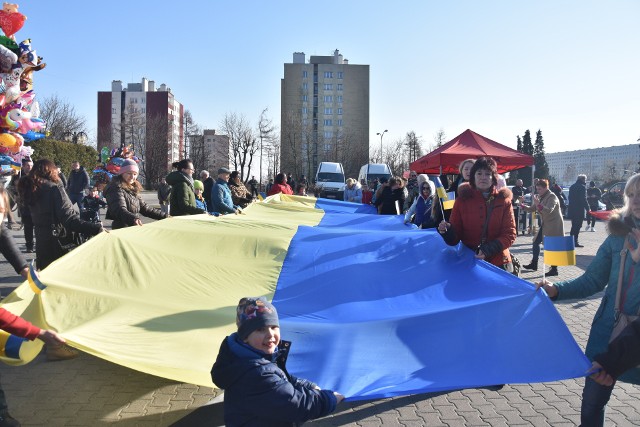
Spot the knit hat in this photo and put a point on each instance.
(128, 166)
(198, 185)
(254, 313)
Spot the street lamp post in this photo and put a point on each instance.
(381, 135)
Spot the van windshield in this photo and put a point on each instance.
(373, 176)
(330, 177)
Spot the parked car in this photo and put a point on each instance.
(613, 197)
(330, 180)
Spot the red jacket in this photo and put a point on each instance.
(15, 325)
(280, 188)
(468, 217)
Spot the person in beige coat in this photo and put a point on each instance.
(548, 207)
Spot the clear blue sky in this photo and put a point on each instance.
(569, 68)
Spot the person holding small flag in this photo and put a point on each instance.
(482, 217)
(614, 269)
(546, 204)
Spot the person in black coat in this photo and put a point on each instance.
(77, 183)
(578, 206)
(43, 193)
(208, 182)
(390, 195)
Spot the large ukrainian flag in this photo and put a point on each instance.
(374, 308)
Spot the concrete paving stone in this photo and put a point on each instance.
(430, 417)
(496, 422)
(525, 409)
(447, 413)
(137, 406)
(620, 420)
(389, 418)
(463, 405)
(370, 423)
(179, 404)
(410, 423)
(472, 419)
(184, 394)
(513, 418)
(552, 415)
(161, 400)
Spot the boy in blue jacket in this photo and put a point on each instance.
(251, 369)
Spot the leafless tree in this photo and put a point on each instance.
(242, 142)
(395, 157)
(61, 117)
(156, 152)
(440, 138)
(298, 145)
(266, 133)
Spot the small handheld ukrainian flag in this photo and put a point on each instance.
(451, 200)
(559, 250)
(442, 194)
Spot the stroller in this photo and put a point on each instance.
(90, 211)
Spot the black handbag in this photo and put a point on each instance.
(66, 239)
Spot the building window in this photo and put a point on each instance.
(305, 74)
(328, 111)
(339, 86)
(328, 74)
(305, 86)
(327, 147)
(113, 110)
(328, 135)
(327, 122)
(339, 98)
(328, 86)
(340, 74)
(328, 98)
(305, 110)
(339, 122)
(339, 111)
(305, 98)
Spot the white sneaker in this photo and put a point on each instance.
(593, 228)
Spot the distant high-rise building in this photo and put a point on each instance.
(324, 114)
(602, 164)
(216, 151)
(147, 118)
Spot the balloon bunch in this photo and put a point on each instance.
(110, 162)
(19, 112)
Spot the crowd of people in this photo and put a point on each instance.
(485, 217)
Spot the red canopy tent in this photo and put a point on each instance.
(470, 145)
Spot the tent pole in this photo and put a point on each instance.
(534, 220)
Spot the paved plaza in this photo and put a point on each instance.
(88, 391)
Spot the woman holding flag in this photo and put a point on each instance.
(614, 270)
(547, 205)
(482, 217)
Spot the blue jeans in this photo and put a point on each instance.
(594, 401)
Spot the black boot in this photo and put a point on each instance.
(531, 266)
(552, 272)
(575, 242)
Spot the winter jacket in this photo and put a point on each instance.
(125, 206)
(355, 193)
(239, 195)
(183, 196)
(594, 194)
(221, 198)
(50, 205)
(208, 185)
(387, 201)
(601, 274)
(421, 212)
(280, 188)
(11, 252)
(258, 391)
(578, 204)
(78, 181)
(623, 353)
(467, 221)
(552, 222)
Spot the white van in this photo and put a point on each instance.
(330, 180)
(372, 171)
